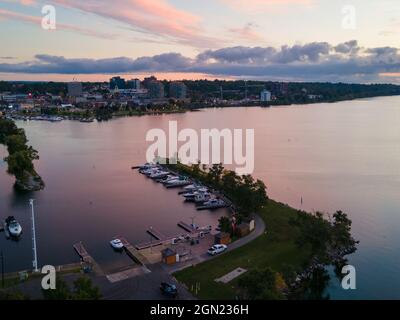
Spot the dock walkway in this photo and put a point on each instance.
(87, 258)
(156, 234)
(186, 227)
(132, 252)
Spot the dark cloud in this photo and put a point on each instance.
(317, 61)
(350, 47)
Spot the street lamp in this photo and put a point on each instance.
(35, 261)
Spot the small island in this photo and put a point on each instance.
(20, 157)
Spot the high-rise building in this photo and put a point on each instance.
(265, 96)
(155, 89)
(75, 89)
(133, 84)
(147, 80)
(177, 90)
(117, 82)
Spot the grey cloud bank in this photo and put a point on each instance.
(317, 61)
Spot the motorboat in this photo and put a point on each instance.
(147, 166)
(117, 244)
(159, 174)
(167, 178)
(202, 197)
(214, 203)
(14, 228)
(150, 171)
(191, 196)
(177, 183)
(191, 188)
(170, 178)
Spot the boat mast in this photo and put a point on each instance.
(35, 261)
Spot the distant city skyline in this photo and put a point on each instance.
(284, 40)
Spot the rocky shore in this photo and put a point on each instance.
(30, 182)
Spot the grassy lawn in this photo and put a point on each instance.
(275, 249)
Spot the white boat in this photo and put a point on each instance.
(14, 228)
(192, 195)
(177, 183)
(147, 167)
(150, 171)
(191, 188)
(202, 197)
(117, 244)
(169, 179)
(214, 203)
(159, 174)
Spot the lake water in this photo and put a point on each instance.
(341, 156)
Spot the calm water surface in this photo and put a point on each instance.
(335, 156)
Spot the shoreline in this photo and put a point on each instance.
(121, 114)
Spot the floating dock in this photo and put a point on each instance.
(87, 258)
(132, 252)
(156, 234)
(146, 245)
(186, 227)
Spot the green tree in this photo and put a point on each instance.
(259, 285)
(62, 291)
(84, 290)
(225, 224)
(315, 287)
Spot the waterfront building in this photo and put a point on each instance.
(265, 96)
(155, 89)
(75, 89)
(177, 90)
(133, 84)
(117, 83)
(147, 80)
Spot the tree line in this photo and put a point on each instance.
(20, 155)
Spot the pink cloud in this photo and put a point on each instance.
(262, 5)
(156, 17)
(247, 33)
(6, 14)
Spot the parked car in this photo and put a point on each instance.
(168, 289)
(216, 249)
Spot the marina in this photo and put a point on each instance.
(126, 204)
(191, 190)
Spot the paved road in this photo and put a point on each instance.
(258, 231)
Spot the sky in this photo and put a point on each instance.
(285, 40)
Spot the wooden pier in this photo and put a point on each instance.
(132, 252)
(156, 234)
(87, 258)
(186, 227)
(149, 244)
